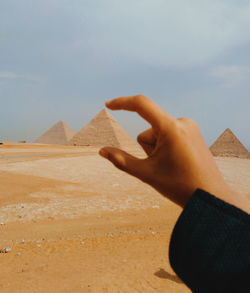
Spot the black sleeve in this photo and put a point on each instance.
(210, 246)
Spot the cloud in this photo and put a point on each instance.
(232, 76)
(102, 34)
(169, 33)
(12, 75)
(9, 75)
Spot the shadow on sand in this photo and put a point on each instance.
(165, 275)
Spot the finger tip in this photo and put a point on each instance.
(103, 153)
(108, 103)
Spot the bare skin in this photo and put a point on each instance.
(178, 161)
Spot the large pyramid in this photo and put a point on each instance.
(228, 145)
(103, 130)
(60, 133)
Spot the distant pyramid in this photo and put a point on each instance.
(228, 145)
(103, 130)
(60, 133)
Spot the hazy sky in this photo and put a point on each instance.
(61, 59)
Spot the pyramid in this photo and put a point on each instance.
(60, 133)
(103, 130)
(228, 145)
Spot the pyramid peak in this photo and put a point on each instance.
(104, 111)
(228, 130)
(59, 123)
(59, 133)
(227, 144)
(104, 114)
(103, 130)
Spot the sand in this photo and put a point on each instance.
(77, 224)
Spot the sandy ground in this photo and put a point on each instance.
(76, 224)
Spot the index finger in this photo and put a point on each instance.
(142, 105)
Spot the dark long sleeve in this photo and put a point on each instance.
(210, 246)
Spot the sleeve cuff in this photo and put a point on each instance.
(210, 244)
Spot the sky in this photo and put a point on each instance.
(62, 59)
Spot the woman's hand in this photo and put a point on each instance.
(178, 159)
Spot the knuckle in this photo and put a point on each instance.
(139, 99)
(184, 119)
(170, 130)
(191, 121)
(118, 164)
(186, 127)
(187, 121)
(115, 159)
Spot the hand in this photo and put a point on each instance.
(178, 161)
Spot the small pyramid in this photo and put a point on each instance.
(228, 145)
(103, 130)
(60, 133)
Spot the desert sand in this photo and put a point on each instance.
(74, 223)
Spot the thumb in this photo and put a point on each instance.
(126, 162)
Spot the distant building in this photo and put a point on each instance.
(103, 130)
(228, 145)
(60, 133)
